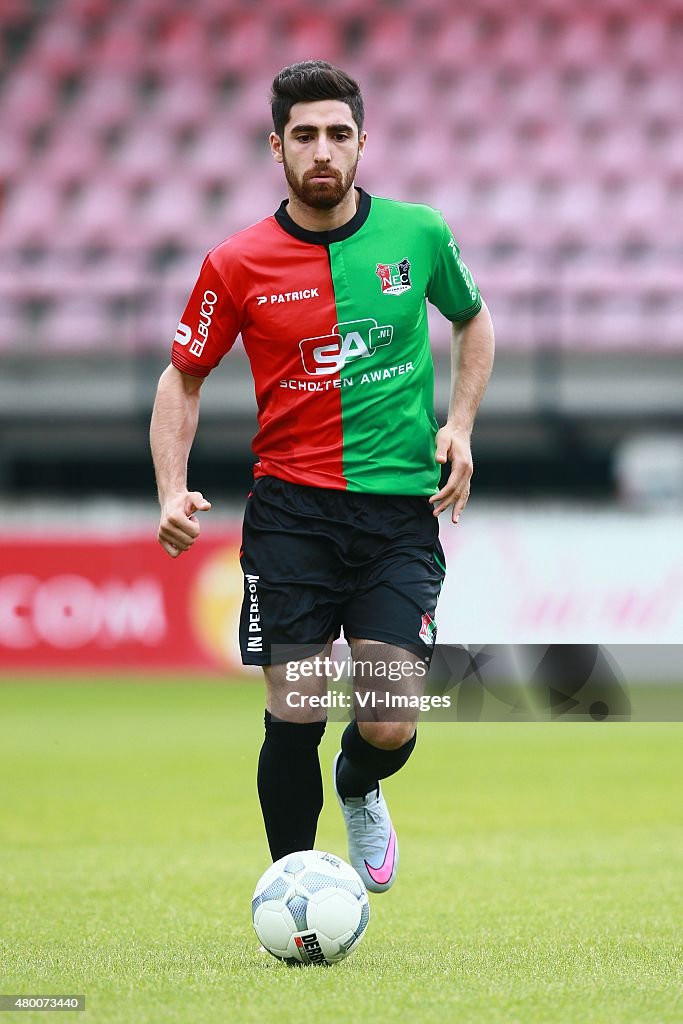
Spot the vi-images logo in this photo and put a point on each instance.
(355, 339)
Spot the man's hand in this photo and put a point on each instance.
(454, 445)
(179, 527)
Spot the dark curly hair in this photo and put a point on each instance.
(311, 80)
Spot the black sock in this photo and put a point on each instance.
(290, 786)
(361, 765)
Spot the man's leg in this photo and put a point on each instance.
(375, 748)
(289, 781)
(372, 749)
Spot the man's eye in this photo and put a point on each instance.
(341, 137)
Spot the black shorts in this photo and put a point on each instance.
(316, 560)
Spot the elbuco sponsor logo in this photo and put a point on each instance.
(307, 293)
(309, 948)
(183, 335)
(354, 339)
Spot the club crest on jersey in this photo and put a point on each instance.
(394, 277)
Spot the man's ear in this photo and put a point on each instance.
(276, 148)
(362, 139)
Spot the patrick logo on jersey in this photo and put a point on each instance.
(356, 339)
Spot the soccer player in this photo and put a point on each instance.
(341, 527)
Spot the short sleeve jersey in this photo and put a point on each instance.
(335, 327)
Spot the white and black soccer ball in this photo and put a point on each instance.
(310, 908)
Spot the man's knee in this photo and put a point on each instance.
(387, 735)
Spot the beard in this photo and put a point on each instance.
(321, 195)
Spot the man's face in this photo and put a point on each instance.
(320, 152)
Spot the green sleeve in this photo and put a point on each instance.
(451, 287)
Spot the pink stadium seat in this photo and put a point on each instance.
(122, 49)
(535, 99)
(485, 157)
(600, 96)
(390, 42)
(250, 110)
(146, 154)
(58, 46)
(171, 211)
(103, 215)
(246, 46)
(518, 46)
(671, 157)
(13, 156)
(582, 46)
(219, 155)
(108, 100)
(28, 99)
(86, 10)
(454, 42)
(618, 152)
(73, 153)
(184, 101)
(646, 42)
(31, 214)
(659, 97)
(181, 45)
(80, 322)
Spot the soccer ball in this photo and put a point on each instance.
(310, 908)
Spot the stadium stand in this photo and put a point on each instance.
(558, 135)
(134, 138)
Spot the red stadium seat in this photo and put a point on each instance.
(313, 36)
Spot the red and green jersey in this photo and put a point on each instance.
(335, 327)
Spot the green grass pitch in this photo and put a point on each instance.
(540, 875)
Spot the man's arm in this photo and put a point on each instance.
(472, 348)
(174, 425)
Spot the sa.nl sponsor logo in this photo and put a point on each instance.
(355, 339)
(183, 334)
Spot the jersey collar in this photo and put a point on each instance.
(326, 237)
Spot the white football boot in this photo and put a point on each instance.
(373, 846)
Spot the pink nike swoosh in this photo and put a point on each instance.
(382, 874)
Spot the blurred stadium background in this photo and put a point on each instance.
(134, 137)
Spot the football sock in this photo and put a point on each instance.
(362, 765)
(289, 783)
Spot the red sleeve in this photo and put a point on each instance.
(209, 325)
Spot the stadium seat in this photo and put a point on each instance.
(144, 154)
(106, 101)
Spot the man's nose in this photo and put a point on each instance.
(322, 151)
